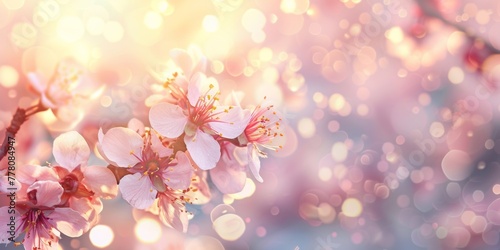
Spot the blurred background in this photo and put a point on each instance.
(391, 106)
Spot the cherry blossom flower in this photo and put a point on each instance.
(64, 92)
(183, 66)
(189, 61)
(152, 166)
(201, 191)
(42, 218)
(242, 153)
(83, 185)
(170, 206)
(264, 126)
(199, 118)
(229, 176)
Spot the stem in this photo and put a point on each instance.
(18, 119)
(118, 172)
(430, 11)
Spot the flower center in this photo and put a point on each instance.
(32, 196)
(36, 225)
(152, 166)
(69, 183)
(190, 129)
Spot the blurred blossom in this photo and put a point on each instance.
(66, 90)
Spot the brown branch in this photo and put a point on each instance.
(430, 11)
(118, 172)
(18, 119)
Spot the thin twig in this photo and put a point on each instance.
(18, 119)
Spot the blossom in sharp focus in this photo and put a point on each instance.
(199, 117)
(152, 166)
(42, 217)
(263, 127)
(83, 185)
(170, 206)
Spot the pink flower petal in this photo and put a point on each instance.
(183, 60)
(199, 85)
(87, 208)
(37, 81)
(101, 181)
(71, 150)
(232, 121)
(136, 125)
(235, 98)
(158, 146)
(41, 241)
(48, 193)
(100, 137)
(203, 149)
(171, 215)
(203, 195)
(179, 176)
(68, 221)
(137, 190)
(5, 185)
(7, 213)
(46, 102)
(68, 116)
(199, 60)
(240, 154)
(122, 146)
(229, 176)
(82, 206)
(167, 119)
(28, 174)
(254, 162)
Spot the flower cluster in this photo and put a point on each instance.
(158, 168)
(191, 134)
(61, 198)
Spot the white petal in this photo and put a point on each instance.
(100, 137)
(179, 176)
(136, 125)
(28, 174)
(229, 176)
(48, 193)
(171, 215)
(7, 183)
(71, 150)
(254, 162)
(199, 60)
(37, 81)
(167, 119)
(196, 88)
(122, 146)
(158, 146)
(101, 181)
(183, 60)
(231, 123)
(203, 149)
(137, 190)
(68, 221)
(7, 213)
(235, 98)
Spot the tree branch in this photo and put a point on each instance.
(18, 119)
